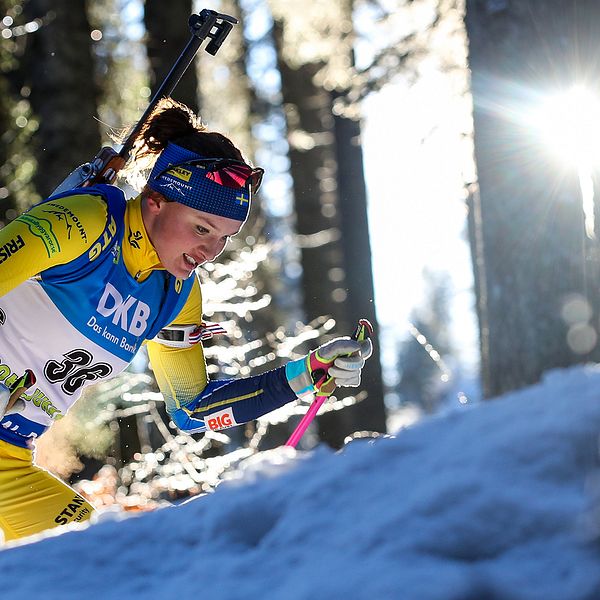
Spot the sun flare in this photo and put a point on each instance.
(569, 124)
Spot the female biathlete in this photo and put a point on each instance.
(87, 277)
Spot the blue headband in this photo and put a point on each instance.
(188, 184)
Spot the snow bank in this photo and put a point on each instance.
(490, 502)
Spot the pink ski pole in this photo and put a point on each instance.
(362, 331)
(307, 419)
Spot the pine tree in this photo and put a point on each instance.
(58, 69)
(16, 124)
(315, 61)
(531, 253)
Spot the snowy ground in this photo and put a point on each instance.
(496, 501)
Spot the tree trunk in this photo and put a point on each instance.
(530, 250)
(167, 35)
(59, 72)
(369, 414)
(352, 204)
(332, 225)
(313, 170)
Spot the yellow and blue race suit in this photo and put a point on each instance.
(81, 289)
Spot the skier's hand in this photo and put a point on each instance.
(337, 363)
(10, 398)
(6, 406)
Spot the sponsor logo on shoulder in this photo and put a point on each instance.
(103, 241)
(11, 247)
(68, 217)
(42, 228)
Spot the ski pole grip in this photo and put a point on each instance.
(19, 386)
(363, 330)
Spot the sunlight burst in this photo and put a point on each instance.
(569, 124)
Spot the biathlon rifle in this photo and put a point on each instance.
(108, 162)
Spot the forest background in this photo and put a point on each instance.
(430, 166)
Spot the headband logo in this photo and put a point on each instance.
(176, 186)
(180, 173)
(242, 199)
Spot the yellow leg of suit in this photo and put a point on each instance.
(31, 499)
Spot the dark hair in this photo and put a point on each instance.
(172, 121)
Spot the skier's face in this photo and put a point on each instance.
(185, 237)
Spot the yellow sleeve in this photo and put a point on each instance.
(181, 372)
(49, 234)
(191, 313)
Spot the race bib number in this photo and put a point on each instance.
(75, 369)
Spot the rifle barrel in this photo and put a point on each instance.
(201, 27)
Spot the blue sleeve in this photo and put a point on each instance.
(230, 402)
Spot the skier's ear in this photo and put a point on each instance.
(153, 200)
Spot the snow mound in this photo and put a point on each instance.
(495, 501)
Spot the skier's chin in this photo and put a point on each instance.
(180, 272)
